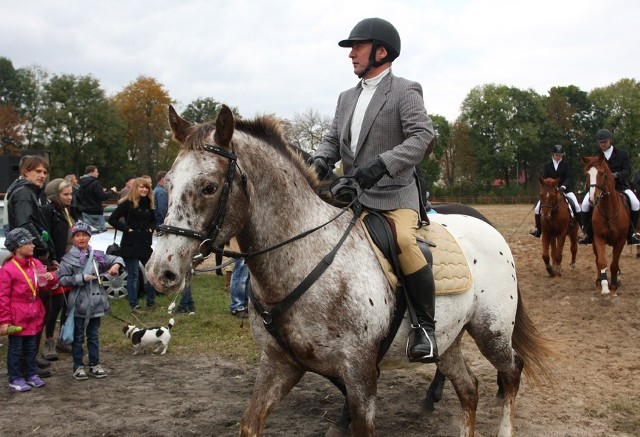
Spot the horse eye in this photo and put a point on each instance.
(209, 189)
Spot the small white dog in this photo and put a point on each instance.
(141, 338)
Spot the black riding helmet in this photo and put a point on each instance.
(379, 32)
(557, 149)
(603, 135)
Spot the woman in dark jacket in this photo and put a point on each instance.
(59, 217)
(135, 218)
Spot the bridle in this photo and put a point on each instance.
(206, 240)
(604, 191)
(551, 207)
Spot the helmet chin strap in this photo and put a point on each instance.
(375, 44)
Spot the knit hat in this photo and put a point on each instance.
(16, 238)
(80, 227)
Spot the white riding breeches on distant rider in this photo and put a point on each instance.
(635, 204)
(570, 195)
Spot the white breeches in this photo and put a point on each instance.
(635, 204)
(570, 195)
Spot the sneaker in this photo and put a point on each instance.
(151, 306)
(97, 371)
(35, 381)
(19, 385)
(241, 313)
(80, 374)
(136, 310)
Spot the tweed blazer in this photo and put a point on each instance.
(395, 128)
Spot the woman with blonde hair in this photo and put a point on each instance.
(59, 217)
(135, 218)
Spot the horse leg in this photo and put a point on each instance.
(274, 380)
(558, 253)
(601, 265)
(573, 238)
(545, 253)
(453, 366)
(500, 353)
(362, 383)
(615, 267)
(434, 392)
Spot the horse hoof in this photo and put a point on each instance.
(572, 265)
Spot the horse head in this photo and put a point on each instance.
(599, 178)
(548, 196)
(208, 197)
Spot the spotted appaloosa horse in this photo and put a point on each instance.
(239, 178)
(610, 220)
(556, 224)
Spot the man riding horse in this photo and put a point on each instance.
(557, 168)
(619, 164)
(381, 132)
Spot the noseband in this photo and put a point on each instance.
(206, 240)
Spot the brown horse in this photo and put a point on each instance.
(610, 219)
(556, 223)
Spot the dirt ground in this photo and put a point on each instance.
(596, 391)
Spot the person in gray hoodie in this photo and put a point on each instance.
(81, 268)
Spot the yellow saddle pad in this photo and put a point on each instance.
(450, 267)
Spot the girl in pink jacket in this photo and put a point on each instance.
(21, 278)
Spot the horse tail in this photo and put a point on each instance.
(532, 346)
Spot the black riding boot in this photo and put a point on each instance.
(633, 237)
(537, 231)
(587, 229)
(421, 290)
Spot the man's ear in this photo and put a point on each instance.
(381, 53)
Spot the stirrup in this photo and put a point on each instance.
(635, 239)
(535, 233)
(430, 357)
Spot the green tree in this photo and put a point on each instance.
(204, 109)
(143, 106)
(617, 108)
(504, 123)
(81, 127)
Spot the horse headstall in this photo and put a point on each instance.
(206, 240)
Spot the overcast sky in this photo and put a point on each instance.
(282, 57)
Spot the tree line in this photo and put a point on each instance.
(502, 132)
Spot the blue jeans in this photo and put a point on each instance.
(133, 273)
(239, 284)
(21, 345)
(95, 220)
(93, 341)
(186, 301)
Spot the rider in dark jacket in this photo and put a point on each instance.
(560, 169)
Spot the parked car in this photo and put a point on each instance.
(115, 286)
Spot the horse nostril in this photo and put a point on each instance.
(169, 276)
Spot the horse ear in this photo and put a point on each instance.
(585, 159)
(224, 127)
(178, 125)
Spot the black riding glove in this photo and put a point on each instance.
(368, 175)
(321, 164)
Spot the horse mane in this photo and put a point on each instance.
(269, 130)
